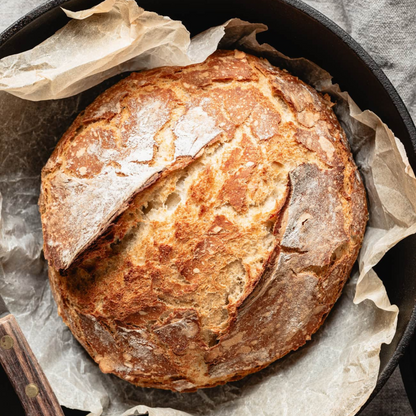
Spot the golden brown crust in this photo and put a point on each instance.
(235, 248)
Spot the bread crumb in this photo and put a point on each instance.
(239, 54)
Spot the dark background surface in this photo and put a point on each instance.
(392, 400)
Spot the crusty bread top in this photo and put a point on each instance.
(228, 260)
(148, 123)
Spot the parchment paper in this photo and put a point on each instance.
(335, 372)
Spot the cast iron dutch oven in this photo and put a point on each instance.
(297, 30)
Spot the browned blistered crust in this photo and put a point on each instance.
(230, 259)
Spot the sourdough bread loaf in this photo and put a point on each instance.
(200, 222)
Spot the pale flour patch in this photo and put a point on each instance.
(194, 130)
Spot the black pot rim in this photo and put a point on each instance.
(374, 68)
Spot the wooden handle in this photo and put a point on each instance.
(24, 371)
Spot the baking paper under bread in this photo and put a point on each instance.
(333, 375)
